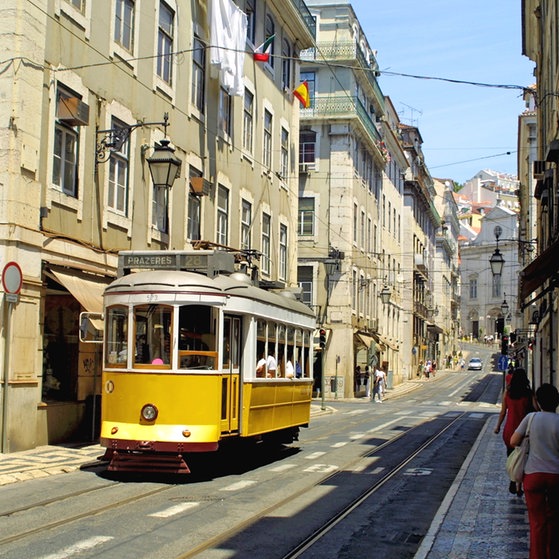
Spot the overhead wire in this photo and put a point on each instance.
(124, 66)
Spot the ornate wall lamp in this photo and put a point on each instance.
(164, 165)
(385, 293)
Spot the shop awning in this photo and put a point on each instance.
(539, 270)
(88, 289)
(364, 339)
(392, 345)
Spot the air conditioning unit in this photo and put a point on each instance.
(539, 169)
(73, 111)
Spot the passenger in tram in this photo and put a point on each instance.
(261, 366)
(271, 366)
(289, 370)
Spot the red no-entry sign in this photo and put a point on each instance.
(12, 278)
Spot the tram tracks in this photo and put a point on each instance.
(49, 525)
(348, 508)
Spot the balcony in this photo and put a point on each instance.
(298, 12)
(344, 108)
(348, 51)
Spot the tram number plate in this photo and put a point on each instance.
(197, 262)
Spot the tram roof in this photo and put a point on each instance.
(237, 284)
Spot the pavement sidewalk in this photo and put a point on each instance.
(479, 518)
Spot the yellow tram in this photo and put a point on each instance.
(195, 354)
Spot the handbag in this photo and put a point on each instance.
(517, 458)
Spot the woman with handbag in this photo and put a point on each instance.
(541, 474)
(518, 400)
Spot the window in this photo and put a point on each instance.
(282, 265)
(269, 31)
(305, 281)
(78, 4)
(194, 210)
(473, 288)
(266, 243)
(159, 216)
(310, 78)
(285, 64)
(305, 223)
(246, 225)
(224, 122)
(267, 147)
(496, 287)
(165, 38)
(307, 146)
(355, 223)
(363, 230)
(222, 216)
(198, 74)
(251, 18)
(124, 24)
(354, 290)
(65, 155)
(248, 120)
(118, 175)
(284, 157)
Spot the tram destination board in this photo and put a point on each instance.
(207, 262)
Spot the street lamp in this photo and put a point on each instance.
(164, 165)
(385, 294)
(505, 307)
(497, 262)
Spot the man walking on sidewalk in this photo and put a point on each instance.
(378, 386)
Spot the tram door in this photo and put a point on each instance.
(230, 381)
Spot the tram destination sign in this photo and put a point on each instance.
(203, 261)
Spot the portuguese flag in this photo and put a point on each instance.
(262, 53)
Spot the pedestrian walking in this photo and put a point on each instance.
(368, 381)
(518, 400)
(357, 379)
(541, 474)
(378, 386)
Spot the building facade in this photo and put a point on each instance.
(483, 294)
(349, 208)
(367, 222)
(538, 278)
(83, 103)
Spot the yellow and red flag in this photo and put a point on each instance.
(302, 93)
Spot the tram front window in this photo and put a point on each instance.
(153, 334)
(116, 337)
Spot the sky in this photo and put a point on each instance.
(465, 128)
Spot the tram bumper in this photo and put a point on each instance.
(151, 456)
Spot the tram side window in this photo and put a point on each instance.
(197, 340)
(153, 334)
(116, 336)
(196, 328)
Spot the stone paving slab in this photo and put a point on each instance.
(45, 461)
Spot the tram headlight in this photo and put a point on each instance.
(149, 412)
